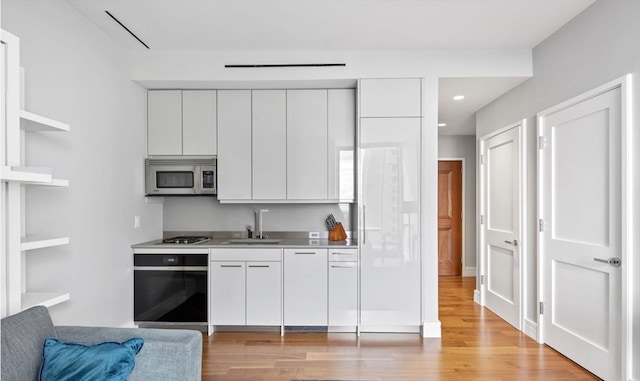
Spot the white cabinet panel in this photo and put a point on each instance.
(199, 122)
(397, 97)
(234, 144)
(307, 144)
(227, 293)
(341, 141)
(164, 122)
(269, 115)
(264, 294)
(343, 293)
(305, 287)
(390, 225)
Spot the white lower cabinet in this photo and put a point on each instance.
(305, 287)
(343, 294)
(245, 287)
(264, 294)
(227, 293)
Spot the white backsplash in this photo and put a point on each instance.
(208, 214)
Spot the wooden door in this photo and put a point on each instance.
(449, 218)
(580, 185)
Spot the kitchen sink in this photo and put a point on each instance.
(252, 241)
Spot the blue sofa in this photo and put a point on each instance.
(167, 355)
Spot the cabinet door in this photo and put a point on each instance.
(234, 144)
(390, 224)
(397, 97)
(343, 293)
(269, 114)
(199, 122)
(164, 122)
(264, 293)
(305, 287)
(307, 144)
(227, 293)
(341, 141)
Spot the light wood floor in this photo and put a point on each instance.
(475, 345)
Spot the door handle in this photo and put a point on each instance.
(514, 242)
(613, 261)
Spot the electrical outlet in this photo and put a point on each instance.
(313, 235)
(136, 222)
(236, 235)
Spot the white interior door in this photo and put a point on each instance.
(580, 206)
(501, 166)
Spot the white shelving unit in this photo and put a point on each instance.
(16, 127)
(47, 299)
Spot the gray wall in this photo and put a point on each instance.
(208, 214)
(450, 147)
(74, 73)
(598, 46)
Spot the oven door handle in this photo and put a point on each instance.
(170, 268)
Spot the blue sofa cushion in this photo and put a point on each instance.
(22, 338)
(109, 361)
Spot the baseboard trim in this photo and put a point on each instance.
(432, 329)
(476, 297)
(469, 271)
(531, 329)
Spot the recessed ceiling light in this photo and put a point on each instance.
(458, 97)
(442, 124)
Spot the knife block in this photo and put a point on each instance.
(338, 233)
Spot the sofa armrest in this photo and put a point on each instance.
(167, 354)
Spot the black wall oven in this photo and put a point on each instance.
(170, 289)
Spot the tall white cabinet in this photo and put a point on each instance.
(16, 175)
(389, 198)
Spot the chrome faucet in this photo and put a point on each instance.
(258, 222)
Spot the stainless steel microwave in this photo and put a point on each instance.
(180, 177)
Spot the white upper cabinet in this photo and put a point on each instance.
(341, 141)
(181, 122)
(234, 145)
(199, 122)
(399, 97)
(164, 122)
(307, 145)
(269, 141)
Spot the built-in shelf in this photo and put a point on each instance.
(33, 175)
(33, 122)
(33, 243)
(47, 299)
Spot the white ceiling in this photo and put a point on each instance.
(459, 115)
(344, 25)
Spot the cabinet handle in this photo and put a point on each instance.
(340, 267)
(304, 253)
(261, 266)
(230, 265)
(364, 225)
(338, 253)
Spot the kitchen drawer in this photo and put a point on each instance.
(343, 255)
(243, 254)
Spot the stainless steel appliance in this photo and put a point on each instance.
(180, 177)
(184, 240)
(170, 289)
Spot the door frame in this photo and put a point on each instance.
(522, 247)
(464, 215)
(626, 214)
